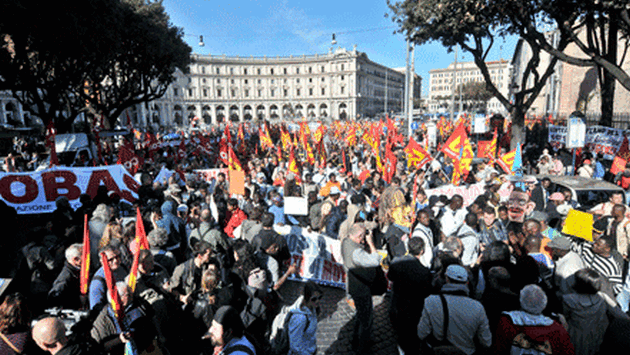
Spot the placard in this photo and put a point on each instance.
(237, 182)
(296, 206)
(579, 224)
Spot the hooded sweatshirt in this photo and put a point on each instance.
(175, 226)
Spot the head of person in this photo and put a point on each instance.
(50, 334)
(157, 238)
(15, 315)
(489, 216)
(533, 299)
(616, 197)
(73, 254)
(531, 227)
(453, 246)
(503, 213)
(232, 204)
(416, 246)
(357, 233)
(618, 212)
(312, 294)
(560, 246)
(125, 293)
(424, 218)
(532, 244)
(499, 278)
(545, 182)
(312, 197)
(457, 202)
(145, 261)
(603, 246)
(332, 177)
(557, 198)
(568, 196)
(496, 252)
(226, 326)
(209, 280)
(202, 252)
(587, 281)
(519, 205)
(270, 244)
(112, 255)
(456, 274)
(267, 220)
(471, 220)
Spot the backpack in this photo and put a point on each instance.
(279, 329)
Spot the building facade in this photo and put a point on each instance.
(339, 85)
(442, 92)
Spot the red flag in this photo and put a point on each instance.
(84, 276)
(343, 159)
(624, 151)
(129, 160)
(351, 138)
(416, 155)
(141, 242)
(224, 151)
(233, 162)
(618, 165)
(264, 137)
(506, 161)
(483, 149)
(111, 288)
(389, 170)
(293, 165)
(181, 150)
(455, 141)
(50, 142)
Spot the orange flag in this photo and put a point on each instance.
(319, 134)
(293, 165)
(84, 275)
(351, 138)
(111, 288)
(265, 139)
(285, 138)
(506, 161)
(233, 162)
(141, 242)
(416, 155)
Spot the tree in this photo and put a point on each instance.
(474, 25)
(141, 70)
(48, 50)
(475, 94)
(593, 26)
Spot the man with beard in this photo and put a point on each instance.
(226, 332)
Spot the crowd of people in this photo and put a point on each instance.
(492, 275)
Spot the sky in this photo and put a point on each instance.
(293, 27)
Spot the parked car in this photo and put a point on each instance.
(587, 192)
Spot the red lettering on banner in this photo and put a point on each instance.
(333, 272)
(105, 177)
(52, 187)
(30, 186)
(132, 185)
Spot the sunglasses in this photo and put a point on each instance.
(115, 257)
(316, 298)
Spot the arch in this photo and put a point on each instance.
(247, 113)
(176, 108)
(10, 106)
(206, 108)
(323, 110)
(343, 112)
(191, 108)
(178, 118)
(207, 119)
(220, 113)
(234, 117)
(273, 111)
(298, 111)
(310, 111)
(287, 111)
(260, 112)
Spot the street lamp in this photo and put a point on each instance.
(201, 44)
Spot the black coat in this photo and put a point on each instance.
(65, 292)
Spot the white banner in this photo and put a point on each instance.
(598, 139)
(317, 256)
(469, 193)
(36, 192)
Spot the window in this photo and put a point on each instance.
(297, 70)
(231, 71)
(175, 92)
(218, 81)
(342, 67)
(323, 69)
(203, 70)
(297, 80)
(189, 80)
(233, 92)
(246, 92)
(285, 71)
(205, 92)
(310, 80)
(245, 71)
(272, 81)
(285, 80)
(232, 81)
(258, 71)
(190, 92)
(310, 91)
(203, 80)
(323, 79)
(218, 70)
(273, 92)
(246, 81)
(271, 71)
(342, 89)
(218, 92)
(310, 70)
(259, 93)
(259, 81)
(343, 77)
(286, 92)
(297, 92)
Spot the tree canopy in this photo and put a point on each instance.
(97, 56)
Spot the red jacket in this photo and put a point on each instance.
(233, 219)
(518, 331)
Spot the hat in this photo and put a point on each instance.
(277, 198)
(564, 209)
(599, 226)
(556, 196)
(260, 175)
(229, 318)
(334, 191)
(182, 208)
(560, 242)
(539, 216)
(587, 161)
(457, 273)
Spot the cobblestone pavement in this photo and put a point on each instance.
(336, 322)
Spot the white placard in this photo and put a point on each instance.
(296, 206)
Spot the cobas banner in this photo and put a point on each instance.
(318, 257)
(36, 192)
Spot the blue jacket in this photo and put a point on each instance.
(175, 226)
(302, 330)
(97, 292)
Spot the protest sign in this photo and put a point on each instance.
(296, 206)
(579, 224)
(209, 174)
(317, 256)
(469, 193)
(237, 182)
(599, 139)
(36, 192)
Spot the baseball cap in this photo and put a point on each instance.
(457, 273)
(560, 242)
(334, 190)
(182, 208)
(539, 216)
(556, 196)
